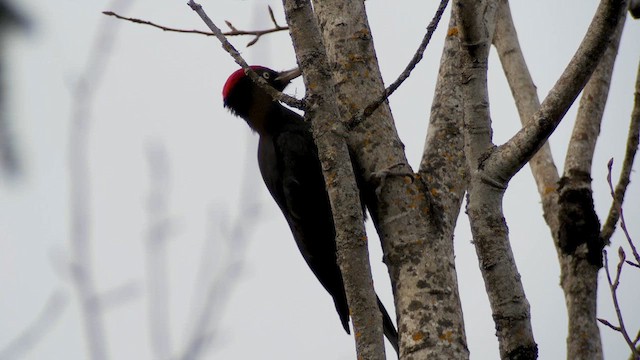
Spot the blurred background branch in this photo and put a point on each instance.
(11, 18)
(80, 185)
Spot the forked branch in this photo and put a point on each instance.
(419, 54)
(615, 282)
(234, 31)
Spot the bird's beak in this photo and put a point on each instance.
(288, 75)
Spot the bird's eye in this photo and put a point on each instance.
(266, 75)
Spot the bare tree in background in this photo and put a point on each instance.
(226, 241)
(214, 288)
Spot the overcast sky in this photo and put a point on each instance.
(161, 93)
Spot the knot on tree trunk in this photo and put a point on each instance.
(578, 219)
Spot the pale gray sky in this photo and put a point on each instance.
(164, 88)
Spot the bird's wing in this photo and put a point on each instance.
(306, 203)
(308, 212)
(268, 163)
(291, 170)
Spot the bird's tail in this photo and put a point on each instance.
(389, 329)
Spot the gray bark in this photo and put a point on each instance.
(508, 302)
(525, 95)
(443, 168)
(330, 136)
(422, 272)
(491, 168)
(578, 237)
(578, 276)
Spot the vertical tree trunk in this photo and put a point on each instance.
(330, 137)
(578, 276)
(491, 168)
(422, 272)
(578, 234)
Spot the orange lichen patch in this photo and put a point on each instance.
(417, 200)
(364, 238)
(549, 189)
(361, 34)
(358, 334)
(434, 192)
(447, 336)
(453, 31)
(331, 177)
(356, 58)
(418, 336)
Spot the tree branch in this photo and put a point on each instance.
(234, 32)
(582, 238)
(627, 165)
(613, 287)
(510, 157)
(527, 102)
(623, 224)
(444, 172)
(509, 305)
(416, 249)
(592, 103)
(369, 109)
(327, 123)
(579, 278)
(226, 45)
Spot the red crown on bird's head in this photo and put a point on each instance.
(235, 77)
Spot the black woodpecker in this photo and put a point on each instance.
(290, 167)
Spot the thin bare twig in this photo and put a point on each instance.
(620, 211)
(419, 54)
(234, 31)
(226, 45)
(50, 313)
(608, 324)
(613, 286)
